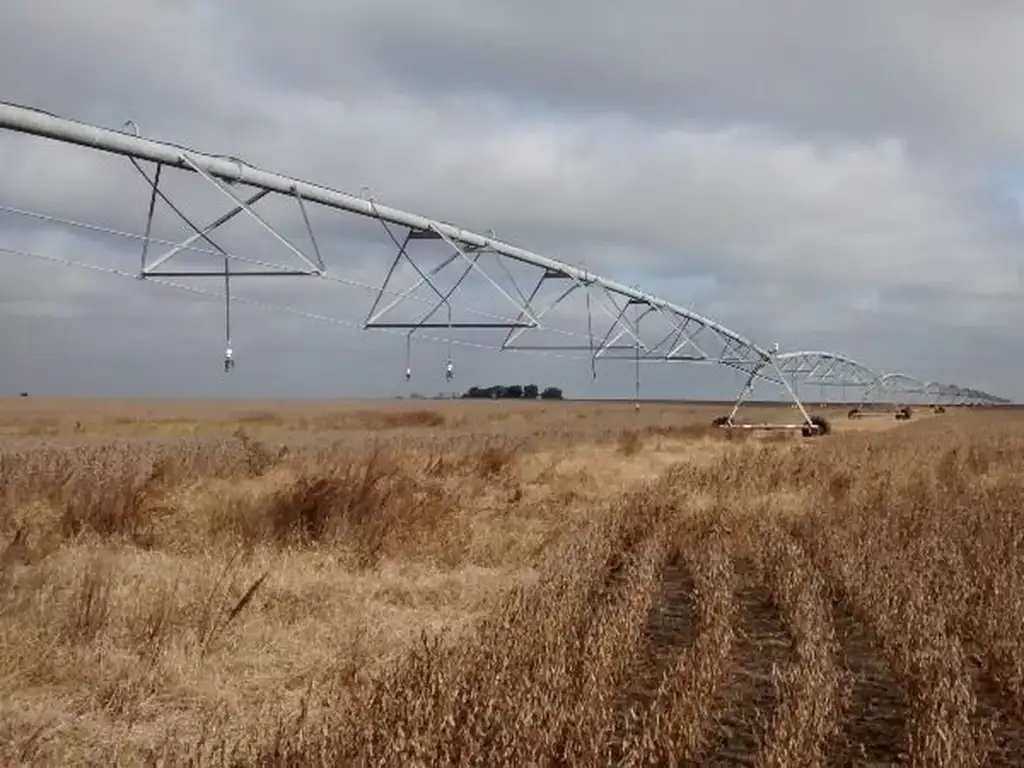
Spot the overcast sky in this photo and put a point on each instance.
(813, 173)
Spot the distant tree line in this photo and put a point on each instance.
(513, 392)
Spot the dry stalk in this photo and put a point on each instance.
(807, 717)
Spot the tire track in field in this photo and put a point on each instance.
(875, 719)
(805, 722)
(750, 696)
(875, 714)
(664, 710)
(670, 628)
(875, 722)
(996, 710)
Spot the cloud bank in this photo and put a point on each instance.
(823, 175)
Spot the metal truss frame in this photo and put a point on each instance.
(826, 369)
(890, 394)
(806, 367)
(975, 397)
(894, 393)
(896, 383)
(684, 335)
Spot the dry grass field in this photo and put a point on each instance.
(441, 583)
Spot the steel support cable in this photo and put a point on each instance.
(255, 302)
(205, 293)
(249, 261)
(155, 277)
(50, 218)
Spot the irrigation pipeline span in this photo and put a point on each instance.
(670, 332)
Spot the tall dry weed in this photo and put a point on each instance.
(371, 508)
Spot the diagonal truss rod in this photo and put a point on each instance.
(204, 233)
(684, 331)
(219, 185)
(470, 254)
(200, 234)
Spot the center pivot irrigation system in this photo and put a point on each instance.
(622, 322)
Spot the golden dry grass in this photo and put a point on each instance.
(505, 584)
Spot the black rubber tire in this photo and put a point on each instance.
(822, 424)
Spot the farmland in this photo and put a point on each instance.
(502, 583)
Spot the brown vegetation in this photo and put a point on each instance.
(510, 587)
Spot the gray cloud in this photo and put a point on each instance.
(863, 69)
(819, 174)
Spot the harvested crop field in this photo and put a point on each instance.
(437, 583)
